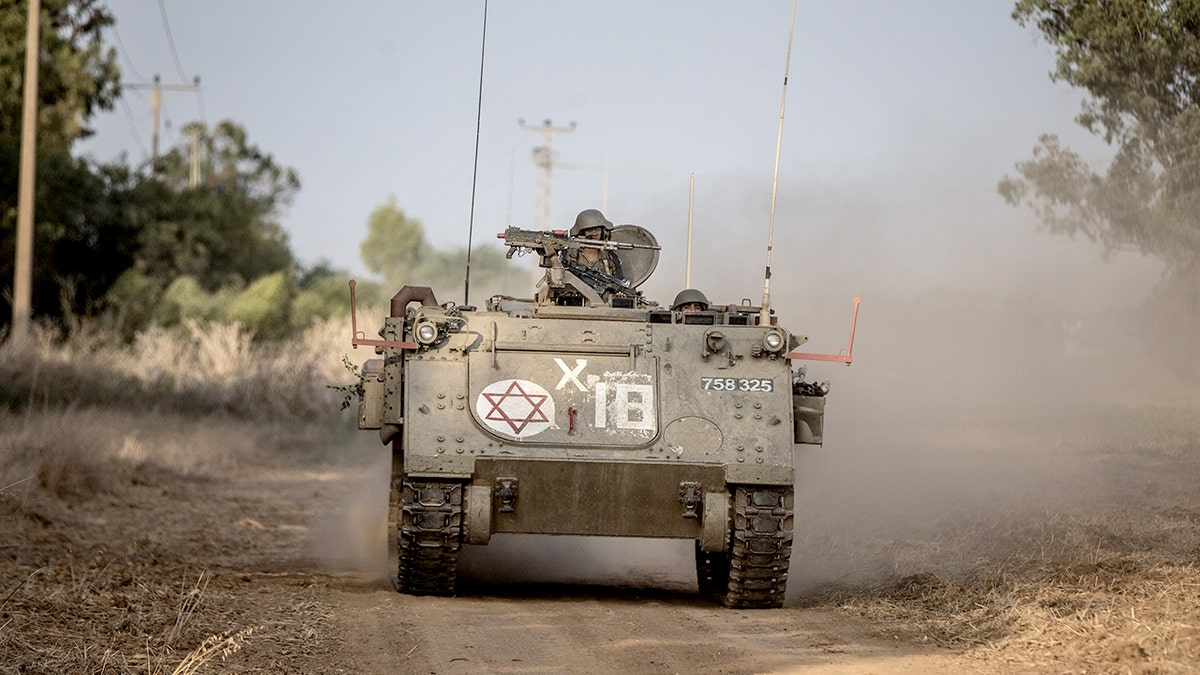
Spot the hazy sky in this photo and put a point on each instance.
(900, 119)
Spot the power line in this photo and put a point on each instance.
(142, 79)
(156, 105)
(125, 53)
(162, 9)
(133, 125)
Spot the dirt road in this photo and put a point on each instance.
(273, 560)
(282, 561)
(558, 605)
(593, 629)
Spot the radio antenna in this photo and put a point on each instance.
(687, 277)
(475, 169)
(765, 316)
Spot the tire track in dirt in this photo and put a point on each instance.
(596, 630)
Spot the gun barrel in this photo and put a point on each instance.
(557, 239)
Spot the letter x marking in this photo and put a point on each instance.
(570, 375)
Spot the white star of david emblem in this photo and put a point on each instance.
(516, 407)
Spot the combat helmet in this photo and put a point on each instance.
(690, 295)
(589, 218)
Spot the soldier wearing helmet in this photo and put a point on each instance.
(690, 300)
(591, 224)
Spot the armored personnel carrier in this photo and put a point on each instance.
(588, 410)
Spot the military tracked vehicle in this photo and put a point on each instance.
(589, 410)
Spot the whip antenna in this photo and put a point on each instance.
(765, 316)
(687, 277)
(475, 169)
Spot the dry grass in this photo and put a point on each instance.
(1099, 572)
(115, 537)
(198, 369)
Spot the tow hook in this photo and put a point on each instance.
(506, 492)
(690, 495)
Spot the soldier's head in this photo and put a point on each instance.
(591, 224)
(690, 300)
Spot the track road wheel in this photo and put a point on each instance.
(430, 536)
(761, 547)
(712, 573)
(393, 526)
(393, 517)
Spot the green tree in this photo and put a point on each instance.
(323, 292)
(222, 234)
(395, 249)
(77, 75)
(225, 229)
(394, 245)
(80, 244)
(1139, 62)
(264, 306)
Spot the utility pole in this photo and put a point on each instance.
(157, 88)
(543, 157)
(194, 174)
(23, 273)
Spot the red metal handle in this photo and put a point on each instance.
(357, 337)
(845, 356)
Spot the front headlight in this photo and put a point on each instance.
(774, 340)
(426, 332)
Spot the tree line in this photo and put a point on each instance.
(134, 246)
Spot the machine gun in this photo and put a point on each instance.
(550, 243)
(602, 282)
(558, 250)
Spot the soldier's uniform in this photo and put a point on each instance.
(607, 262)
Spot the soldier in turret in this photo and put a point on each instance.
(591, 224)
(690, 300)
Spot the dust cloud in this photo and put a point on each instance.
(350, 536)
(993, 363)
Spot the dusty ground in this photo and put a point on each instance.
(272, 564)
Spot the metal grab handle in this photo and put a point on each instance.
(357, 337)
(845, 356)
